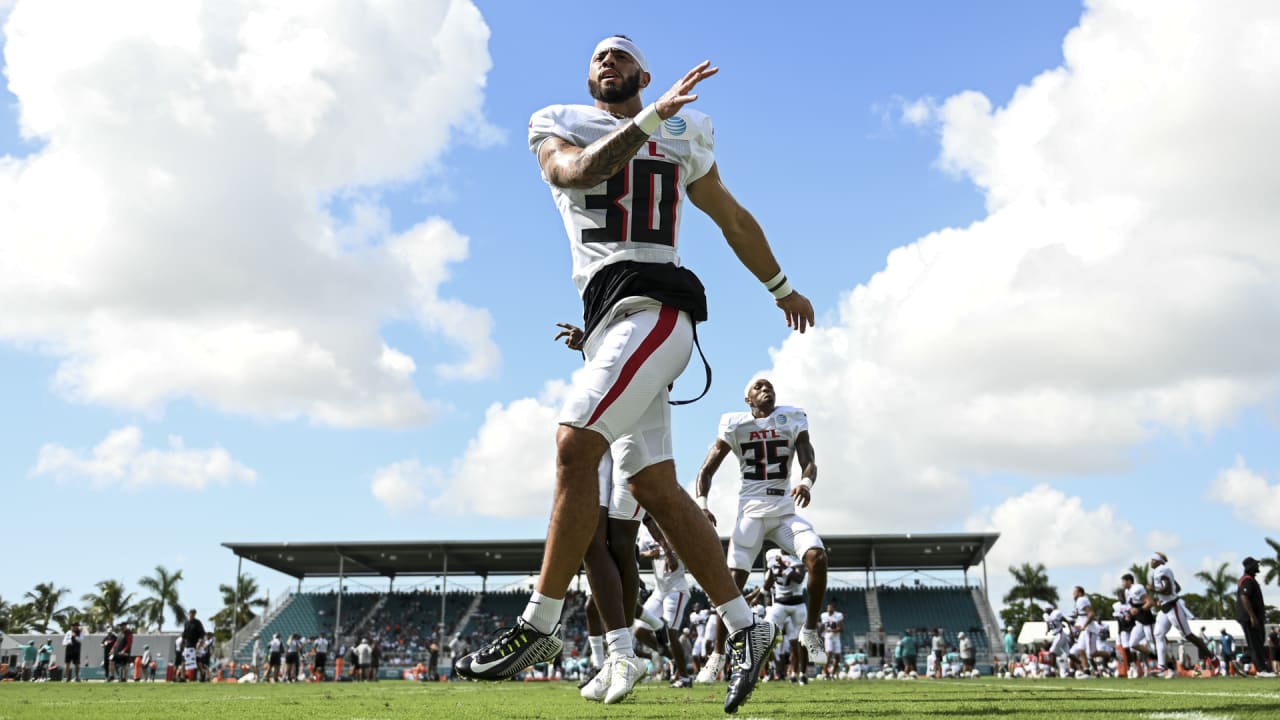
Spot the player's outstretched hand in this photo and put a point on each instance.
(798, 309)
(681, 93)
(571, 334)
(801, 495)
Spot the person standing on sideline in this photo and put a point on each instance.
(256, 658)
(321, 648)
(1251, 613)
(1010, 647)
(618, 171)
(72, 641)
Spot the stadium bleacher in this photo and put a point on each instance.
(924, 608)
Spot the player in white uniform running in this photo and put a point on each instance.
(1059, 636)
(617, 171)
(1172, 612)
(669, 599)
(1141, 641)
(765, 440)
(1086, 629)
(833, 638)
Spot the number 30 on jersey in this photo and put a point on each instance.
(639, 203)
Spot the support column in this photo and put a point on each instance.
(235, 608)
(444, 588)
(337, 617)
(985, 592)
(966, 578)
(874, 581)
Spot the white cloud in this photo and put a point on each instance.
(1163, 541)
(508, 469)
(120, 460)
(202, 219)
(1046, 525)
(1125, 282)
(402, 486)
(1248, 494)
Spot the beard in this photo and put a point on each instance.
(622, 92)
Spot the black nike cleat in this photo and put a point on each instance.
(748, 650)
(516, 649)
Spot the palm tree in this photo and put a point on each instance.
(1271, 564)
(1031, 583)
(44, 602)
(249, 599)
(1219, 592)
(70, 615)
(108, 605)
(20, 618)
(1141, 574)
(164, 594)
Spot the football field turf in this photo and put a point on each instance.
(1187, 699)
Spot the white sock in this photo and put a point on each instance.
(619, 643)
(597, 650)
(543, 612)
(736, 614)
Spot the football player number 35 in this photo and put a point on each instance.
(652, 219)
(758, 456)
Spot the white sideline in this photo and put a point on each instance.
(1136, 691)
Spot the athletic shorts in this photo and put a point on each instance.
(1176, 617)
(321, 659)
(291, 658)
(834, 645)
(668, 606)
(790, 532)
(273, 660)
(622, 391)
(72, 657)
(788, 618)
(1086, 643)
(615, 493)
(1140, 635)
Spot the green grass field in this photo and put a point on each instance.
(1186, 699)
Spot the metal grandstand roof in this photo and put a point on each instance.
(524, 557)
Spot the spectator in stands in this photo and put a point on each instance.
(1251, 612)
(72, 641)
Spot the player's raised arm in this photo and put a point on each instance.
(570, 166)
(747, 239)
(716, 455)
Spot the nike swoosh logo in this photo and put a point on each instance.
(477, 666)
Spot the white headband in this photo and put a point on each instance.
(617, 42)
(1159, 557)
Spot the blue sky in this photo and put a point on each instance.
(1052, 350)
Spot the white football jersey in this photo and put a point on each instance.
(788, 583)
(1119, 610)
(634, 215)
(667, 581)
(1136, 595)
(1083, 606)
(1164, 572)
(698, 619)
(1054, 620)
(321, 645)
(831, 621)
(764, 447)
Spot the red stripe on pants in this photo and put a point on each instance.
(658, 335)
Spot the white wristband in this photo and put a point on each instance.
(778, 285)
(648, 120)
(702, 501)
(806, 482)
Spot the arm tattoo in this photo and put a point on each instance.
(602, 159)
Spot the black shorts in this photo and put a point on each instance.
(274, 659)
(291, 658)
(72, 657)
(321, 659)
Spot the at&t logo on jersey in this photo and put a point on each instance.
(675, 125)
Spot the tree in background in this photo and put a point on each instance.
(163, 587)
(45, 598)
(1271, 564)
(1030, 584)
(108, 605)
(248, 595)
(1219, 592)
